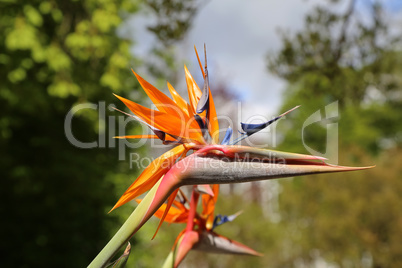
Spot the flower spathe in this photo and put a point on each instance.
(199, 233)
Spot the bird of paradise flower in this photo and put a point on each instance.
(199, 233)
(193, 126)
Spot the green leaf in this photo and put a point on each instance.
(33, 16)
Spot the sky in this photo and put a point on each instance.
(238, 38)
(238, 35)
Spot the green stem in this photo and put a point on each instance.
(125, 232)
(169, 261)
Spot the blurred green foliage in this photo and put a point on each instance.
(172, 21)
(351, 219)
(53, 56)
(345, 58)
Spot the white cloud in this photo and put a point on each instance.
(239, 35)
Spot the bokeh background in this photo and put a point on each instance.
(267, 55)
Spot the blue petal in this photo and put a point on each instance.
(221, 219)
(228, 136)
(250, 129)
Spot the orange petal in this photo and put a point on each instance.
(194, 92)
(162, 102)
(137, 189)
(168, 138)
(178, 99)
(213, 125)
(150, 175)
(137, 137)
(165, 122)
(199, 62)
(177, 213)
(172, 214)
(208, 206)
(167, 208)
(165, 161)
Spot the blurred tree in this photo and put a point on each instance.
(351, 219)
(54, 55)
(341, 56)
(172, 21)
